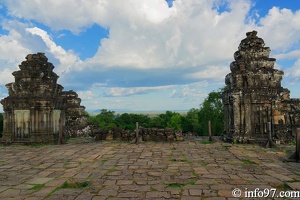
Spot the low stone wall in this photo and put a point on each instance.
(145, 134)
(79, 131)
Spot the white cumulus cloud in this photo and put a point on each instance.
(149, 43)
(67, 60)
(118, 91)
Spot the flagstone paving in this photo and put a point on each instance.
(120, 170)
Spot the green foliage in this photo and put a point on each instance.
(196, 120)
(180, 185)
(167, 120)
(191, 121)
(249, 162)
(206, 142)
(105, 120)
(175, 185)
(178, 160)
(37, 187)
(157, 122)
(191, 182)
(174, 121)
(128, 121)
(212, 110)
(68, 185)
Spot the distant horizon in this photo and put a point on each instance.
(121, 111)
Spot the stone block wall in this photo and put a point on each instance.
(145, 134)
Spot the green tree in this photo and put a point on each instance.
(105, 120)
(157, 122)
(144, 120)
(167, 120)
(128, 121)
(175, 121)
(166, 117)
(190, 122)
(212, 110)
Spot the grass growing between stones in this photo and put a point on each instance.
(248, 162)
(203, 163)
(226, 146)
(70, 185)
(67, 163)
(195, 174)
(37, 186)
(191, 182)
(176, 185)
(178, 160)
(111, 170)
(206, 142)
(181, 185)
(282, 187)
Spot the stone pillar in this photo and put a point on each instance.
(137, 132)
(209, 131)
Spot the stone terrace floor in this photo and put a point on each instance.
(118, 170)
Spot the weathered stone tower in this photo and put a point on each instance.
(254, 96)
(35, 110)
(76, 118)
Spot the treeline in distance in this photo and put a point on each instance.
(195, 121)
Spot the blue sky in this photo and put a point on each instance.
(143, 55)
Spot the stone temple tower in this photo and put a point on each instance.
(255, 103)
(34, 111)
